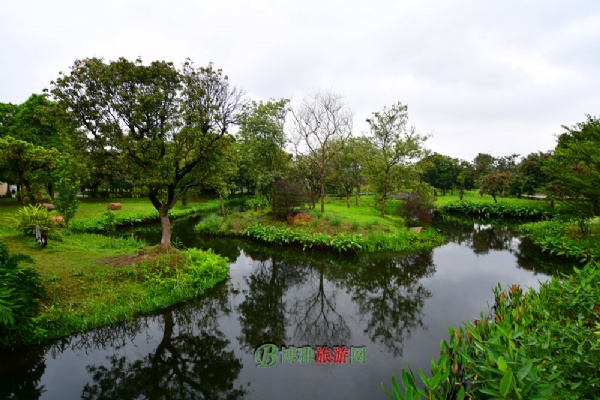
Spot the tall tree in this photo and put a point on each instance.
(441, 171)
(574, 168)
(166, 123)
(395, 149)
(262, 142)
(322, 125)
(347, 169)
(24, 164)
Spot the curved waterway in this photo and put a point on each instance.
(376, 313)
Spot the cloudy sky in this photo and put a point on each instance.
(499, 77)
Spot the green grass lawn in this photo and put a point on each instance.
(474, 196)
(93, 280)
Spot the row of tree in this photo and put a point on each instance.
(163, 132)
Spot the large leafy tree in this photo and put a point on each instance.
(322, 125)
(262, 142)
(24, 164)
(395, 148)
(164, 124)
(574, 168)
(441, 171)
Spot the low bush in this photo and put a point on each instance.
(535, 345)
(29, 217)
(209, 225)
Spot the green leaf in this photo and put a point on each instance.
(523, 372)
(505, 382)
(502, 364)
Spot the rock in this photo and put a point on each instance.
(417, 229)
(57, 220)
(48, 206)
(114, 206)
(298, 216)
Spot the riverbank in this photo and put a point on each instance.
(340, 228)
(92, 280)
(534, 344)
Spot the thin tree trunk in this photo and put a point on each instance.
(322, 190)
(222, 205)
(357, 194)
(165, 240)
(383, 207)
(348, 199)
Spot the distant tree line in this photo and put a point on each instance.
(165, 133)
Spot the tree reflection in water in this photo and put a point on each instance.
(316, 320)
(192, 360)
(21, 374)
(262, 314)
(390, 297)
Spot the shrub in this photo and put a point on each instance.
(208, 225)
(258, 201)
(31, 216)
(417, 208)
(20, 292)
(287, 195)
(66, 203)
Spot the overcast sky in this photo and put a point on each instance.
(498, 77)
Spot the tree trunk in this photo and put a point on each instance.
(348, 199)
(357, 194)
(165, 240)
(51, 190)
(494, 196)
(383, 207)
(461, 193)
(222, 205)
(322, 190)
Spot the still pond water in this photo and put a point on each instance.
(396, 307)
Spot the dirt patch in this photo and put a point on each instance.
(129, 259)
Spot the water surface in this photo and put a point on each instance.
(396, 307)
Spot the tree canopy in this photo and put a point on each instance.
(167, 124)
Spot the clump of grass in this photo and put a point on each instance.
(209, 225)
(355, 225)
(335, 220)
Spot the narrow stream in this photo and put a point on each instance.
(386, 310)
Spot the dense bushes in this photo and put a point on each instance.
(497, 210)
(20, 292)
(562, 239)
(536, 345)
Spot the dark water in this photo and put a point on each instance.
(394, 306)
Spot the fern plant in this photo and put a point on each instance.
(31, 216)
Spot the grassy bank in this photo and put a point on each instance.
(91, 280)
(339, 228)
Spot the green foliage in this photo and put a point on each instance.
(500, 210)
(391, 152)
(66, 203)
(417, 208)
(536, 345)
(20, 292)
(209, 225)
(262, 143)
(24, 163)
(258, 201)
(558, 237)
(31, 216)
(402, 240)
(574, 169)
